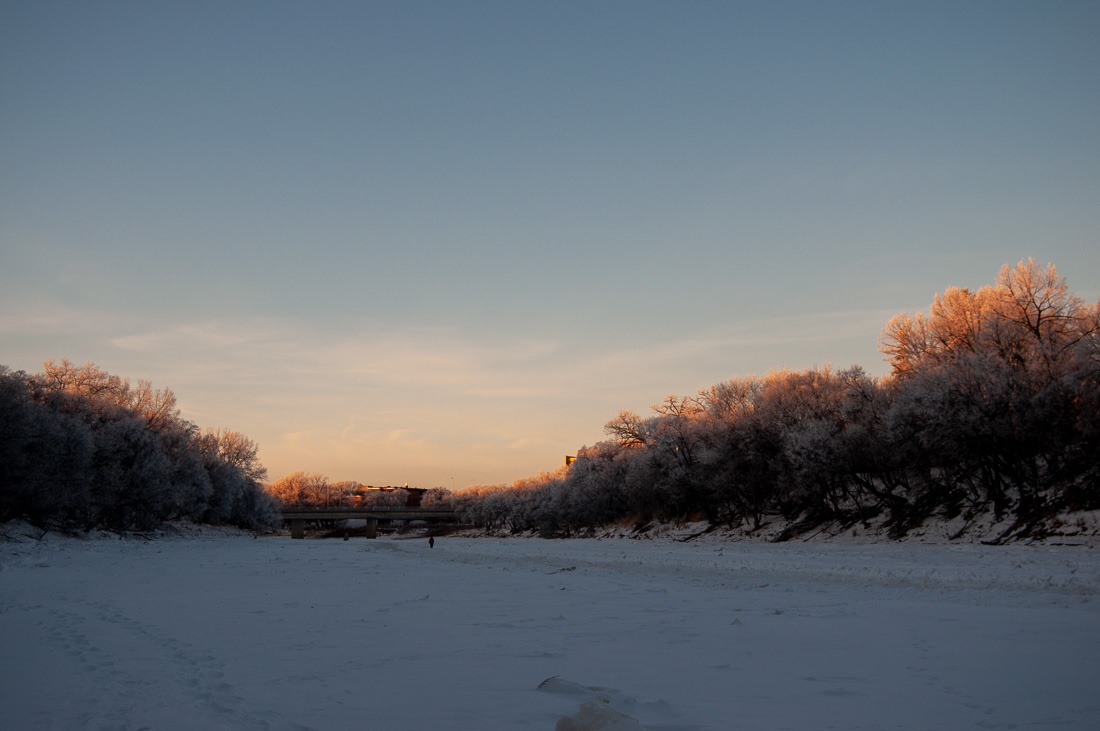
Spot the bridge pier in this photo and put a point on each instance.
(297, 516)
(298, 528)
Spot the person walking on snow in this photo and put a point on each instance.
(431, 541)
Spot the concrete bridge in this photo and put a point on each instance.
(298, 516)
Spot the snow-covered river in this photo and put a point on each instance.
(227, 632)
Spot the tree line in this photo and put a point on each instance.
(81, 449)
(992, 406)
(313, 489)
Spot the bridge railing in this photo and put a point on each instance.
(299, 510)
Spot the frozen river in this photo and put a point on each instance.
(227, 632)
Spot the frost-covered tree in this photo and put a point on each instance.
(239, 451)
(45, 458)
(993, 405)
(1028, 319)
(303, 488)
(81, 448)
(992, 389)
(86, 380)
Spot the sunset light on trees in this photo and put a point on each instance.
(484, 365)
(992, 406)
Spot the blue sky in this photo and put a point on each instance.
(444, 242)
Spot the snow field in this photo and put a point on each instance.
(227, 632)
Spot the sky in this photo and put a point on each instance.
(443, 243)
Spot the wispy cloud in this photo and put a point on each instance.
(741, 348)
(381, 395)
(55, 320)
(424, 357)
(210, 335)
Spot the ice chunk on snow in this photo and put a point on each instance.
(597, 716)
(555, 684)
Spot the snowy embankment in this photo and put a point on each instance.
(226, 632)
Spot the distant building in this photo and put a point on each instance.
(413, 495)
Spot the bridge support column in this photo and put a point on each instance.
(372, 528)
(297, 529)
